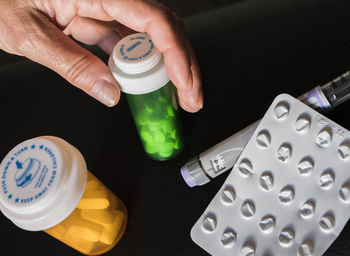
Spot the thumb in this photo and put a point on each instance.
(46, 44)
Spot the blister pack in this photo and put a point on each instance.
(289, 191)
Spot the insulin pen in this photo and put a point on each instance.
(221, 157)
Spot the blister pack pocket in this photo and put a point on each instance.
(289, 191)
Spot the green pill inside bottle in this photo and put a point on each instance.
(140, 71)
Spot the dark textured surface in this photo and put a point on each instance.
(249, 53)
(186, 8)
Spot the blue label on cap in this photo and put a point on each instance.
(25, 174)
(127, 50)
(26, 171)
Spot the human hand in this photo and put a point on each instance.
(39, 29)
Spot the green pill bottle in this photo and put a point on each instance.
(140, 71)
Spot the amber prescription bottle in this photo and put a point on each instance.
(140, 71)
(45, 186)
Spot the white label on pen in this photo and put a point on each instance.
(218, 163)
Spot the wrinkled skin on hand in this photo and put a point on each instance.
(40, 29)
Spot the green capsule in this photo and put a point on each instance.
(173, 134)
(178, 144)
(159, 137)
(141, 118)
(166, 154)
(164, 100)
(157, 121)
(168, 126)
(146, 136)
(155, 117)
(151, 106)
(168, 146)
(155, 126)
(166, 149)
(149, 110)
(150, 148)
(170, 110)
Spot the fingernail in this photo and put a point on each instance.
(105, 92)
(193, 103)
(200, 105)
(201, 100)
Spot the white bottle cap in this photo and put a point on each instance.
(42, 181)
(137, 65)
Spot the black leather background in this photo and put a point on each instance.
(249, 53)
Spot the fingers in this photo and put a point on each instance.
(190, 98)
(44, 43)
(106, 34)
(90, 31)
(107, 44)
(192, 101)
(99, 32)
(167, 34)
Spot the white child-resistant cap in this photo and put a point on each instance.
(137, 65)
(42, 182)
